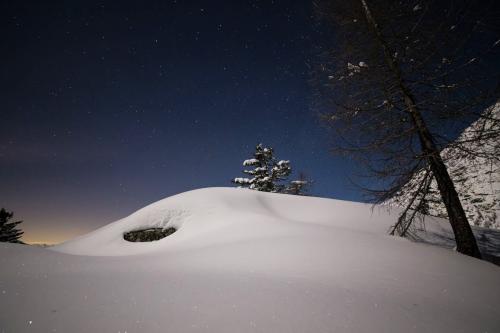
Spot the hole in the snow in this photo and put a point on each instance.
(148, 235)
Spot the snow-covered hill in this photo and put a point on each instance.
(248, 261)
(477, 179)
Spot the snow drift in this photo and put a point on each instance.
(216, 216)
(248, 261)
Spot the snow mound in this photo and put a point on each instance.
(214, 216)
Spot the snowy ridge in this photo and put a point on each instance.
(477, 179)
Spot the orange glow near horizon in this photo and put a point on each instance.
(50, 230)
(51, 237)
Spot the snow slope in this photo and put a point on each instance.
(248, 261)
(477, 179)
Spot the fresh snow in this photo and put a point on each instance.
(241, 180)
(250, 261)
(251, 161)
(476, 178)
(299, 182)
(353, 69)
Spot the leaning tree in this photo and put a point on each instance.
(398, 81)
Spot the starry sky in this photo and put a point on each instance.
(110, 106)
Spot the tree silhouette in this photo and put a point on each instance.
(8, 230)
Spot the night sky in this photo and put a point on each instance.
(107, 107)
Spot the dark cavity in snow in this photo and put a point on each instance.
(148, 235)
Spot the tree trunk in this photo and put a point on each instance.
(466, 242)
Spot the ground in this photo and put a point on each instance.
(246, 261)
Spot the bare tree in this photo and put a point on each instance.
(401, 79)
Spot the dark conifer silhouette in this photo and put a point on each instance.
(8, 230)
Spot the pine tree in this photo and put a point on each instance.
(268, 173)
(8, 231)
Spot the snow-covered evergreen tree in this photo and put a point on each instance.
(267, 174)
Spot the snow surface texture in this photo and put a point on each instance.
(250, 261)
(477, 180)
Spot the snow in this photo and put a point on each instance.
(241, 180)
(471, 61)
(352, 69)
(250, 261)
(251, 161)
(477, 178)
